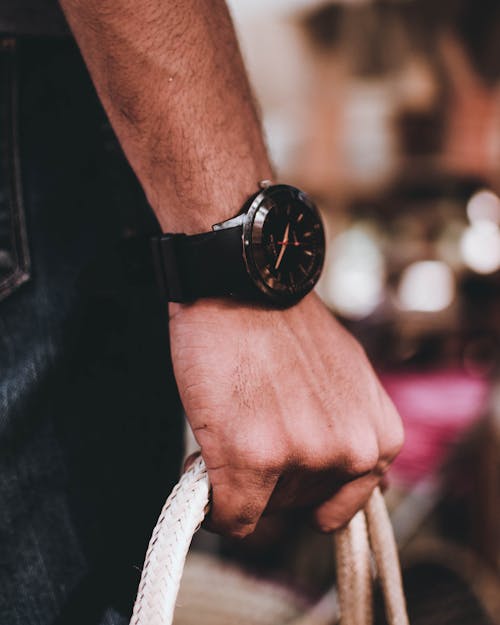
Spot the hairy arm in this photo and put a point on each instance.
(284, 404)
(171, 79)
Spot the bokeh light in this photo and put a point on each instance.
(480, 247)
(484, 206)
(354, 283)
(426, 286)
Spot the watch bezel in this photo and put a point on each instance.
(254, 218)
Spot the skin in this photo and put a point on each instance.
(284, 403)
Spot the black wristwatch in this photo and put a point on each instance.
(273, 251)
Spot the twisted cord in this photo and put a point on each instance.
(354, 578)
(386, 557)
(180, 517)
(183, 513)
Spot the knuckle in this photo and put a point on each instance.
(265, 460)
(392, 442)
(258, 463)
(362, 456)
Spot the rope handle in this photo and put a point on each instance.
(185, 510)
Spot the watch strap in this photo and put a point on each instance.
(210, 264)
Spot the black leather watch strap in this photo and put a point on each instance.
(202, 265)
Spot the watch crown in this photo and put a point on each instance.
(264, 184)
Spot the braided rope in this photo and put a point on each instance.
(386, 557)
(183, 513)
(180, 517)
(354, 577)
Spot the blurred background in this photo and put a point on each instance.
(388, 113)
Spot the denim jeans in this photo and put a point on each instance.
(90, 420)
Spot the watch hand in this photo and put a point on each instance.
(283, 247)
(287, 230)
(295, 241)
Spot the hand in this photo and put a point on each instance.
(286, 408)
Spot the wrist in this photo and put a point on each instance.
(192, 207)
(271, 252)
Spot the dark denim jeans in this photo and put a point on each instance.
(90, 421)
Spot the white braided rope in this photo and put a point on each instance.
(354, 576)
(386, 557)
(180, 517)
(184, 511)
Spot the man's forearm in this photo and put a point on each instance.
(171, 79)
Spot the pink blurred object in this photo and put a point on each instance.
(437, 408)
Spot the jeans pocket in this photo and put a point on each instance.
(14, 252)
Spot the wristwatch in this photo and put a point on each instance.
(272, 251)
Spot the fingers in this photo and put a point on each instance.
(240, 494)
(233, 513)
(343, 505)
(353, 495)
(239, 498)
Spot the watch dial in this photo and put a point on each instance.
(287, 243)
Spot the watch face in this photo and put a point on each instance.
(284, 243)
